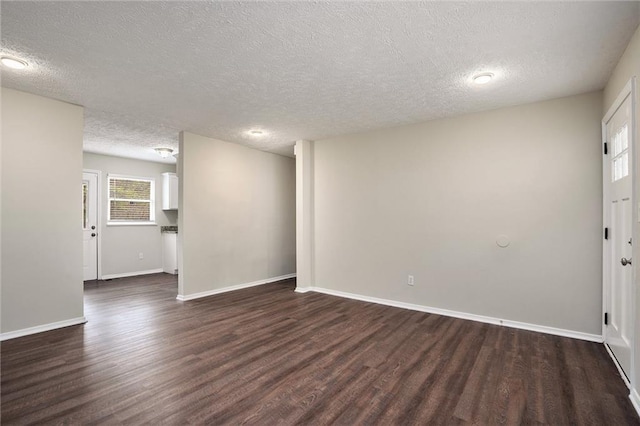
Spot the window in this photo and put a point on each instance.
(85, 209)
(131, 200)
(620, 157)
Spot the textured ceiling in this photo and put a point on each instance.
(300, 70)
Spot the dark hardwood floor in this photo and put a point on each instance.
(267, 355)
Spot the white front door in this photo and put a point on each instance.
(618, 218)
(90, 225)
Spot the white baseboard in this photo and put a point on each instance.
(463, 315)
(635, 400)
(618, 366)
(184, 298)
(132, 274)
(41, 328)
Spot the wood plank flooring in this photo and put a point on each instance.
(267, 355)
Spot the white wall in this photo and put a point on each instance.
(122, 244)
(304, 222)
(430, 200)
(237, 215)
(41, 214)
(627, 67)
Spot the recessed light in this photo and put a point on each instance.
(256, 133)
(16, 64)
(164, 152)
(483, 78)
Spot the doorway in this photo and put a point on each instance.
(90, 225)
(620, 219)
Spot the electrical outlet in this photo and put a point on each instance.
(140, 255)
(410, 280)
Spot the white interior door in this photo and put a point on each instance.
(618, 217)
(90, 225)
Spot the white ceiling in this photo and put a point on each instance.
(300, 70)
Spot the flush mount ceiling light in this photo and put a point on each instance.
(14, 63)
(483, 78)
(164, 152)
(256, 133)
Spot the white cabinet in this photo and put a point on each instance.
(170, 252)
(169, 191)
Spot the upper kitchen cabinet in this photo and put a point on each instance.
(169, 191)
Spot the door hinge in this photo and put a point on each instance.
(606, 233)
(606, 318)
(605, 148)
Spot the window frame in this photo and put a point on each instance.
(622, 155)
(151, 201)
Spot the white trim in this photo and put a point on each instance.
(626, 90)
(40, 328)
(130, 177)
(462, 315)
(633, 143)
(184, 298)
(132, 274)
(629, 91)
(625, 379)
(606, 262)
(116, 223)
(635, 400)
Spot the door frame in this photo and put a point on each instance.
(628, 90)
(98, 174)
